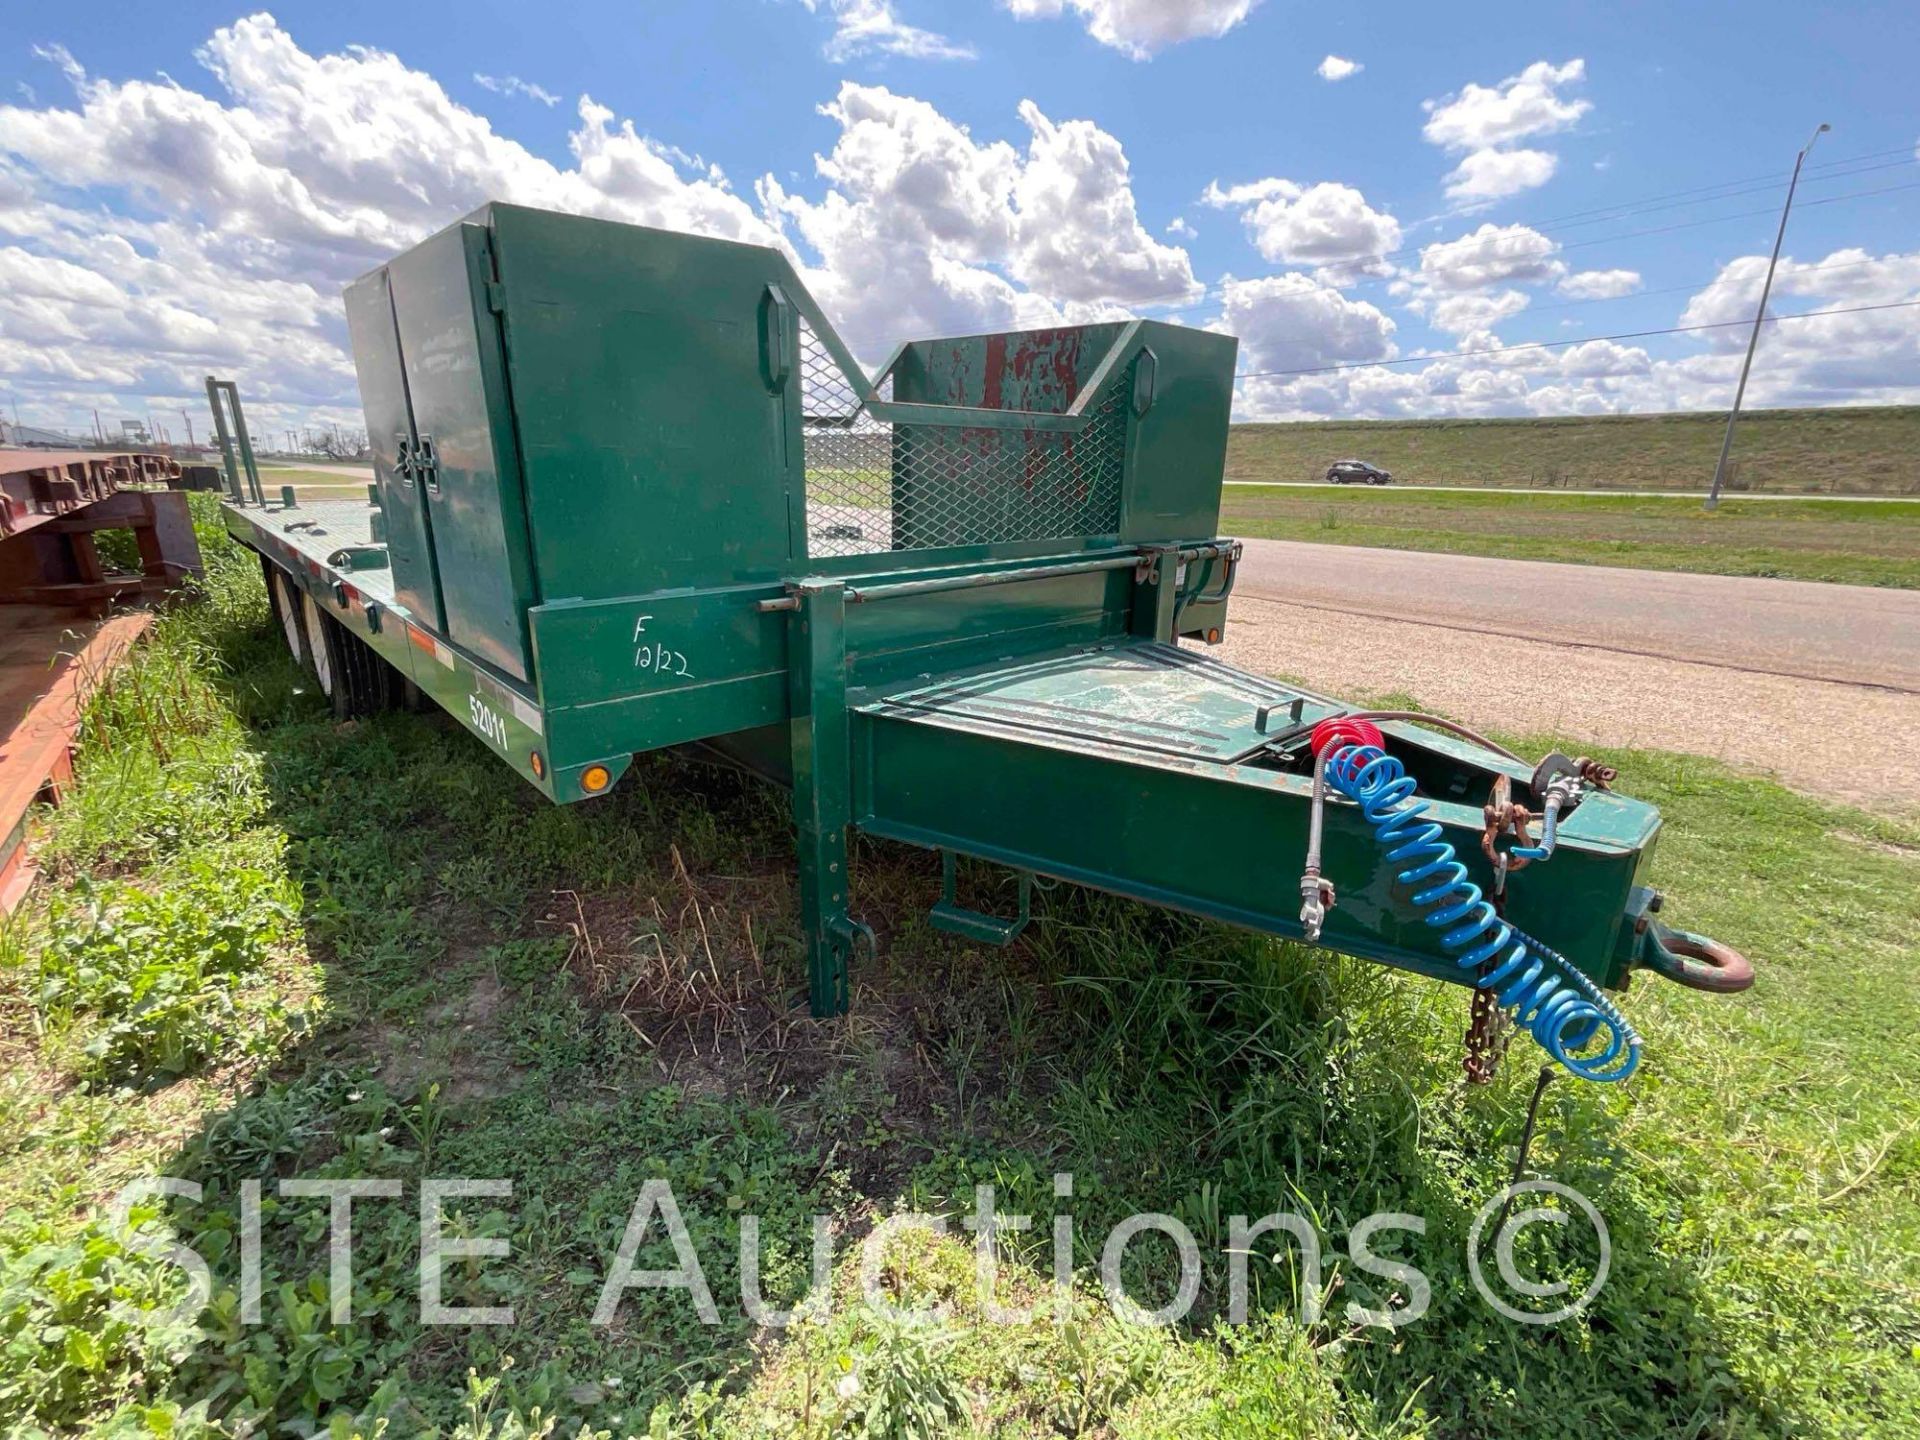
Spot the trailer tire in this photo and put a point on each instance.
(284, 605)
(369, 683)
(322, 646)
(353, 677)
(349, 672)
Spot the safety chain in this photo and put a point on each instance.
(1489, 1030)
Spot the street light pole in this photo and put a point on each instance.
(1759, 316)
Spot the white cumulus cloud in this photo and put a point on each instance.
(1292, 322)
(1520, 106)
(1142, 28)
(1486, 175)
(1867, 357)
(151, 234)
(871, 27)
(1600, 284)
(1491, 255)
(1482, 123)
(1338, 67)
(925, 230)
(1474, 313)
(1326, 224)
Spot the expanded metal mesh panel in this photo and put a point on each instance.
(849, 460)
(874, 486)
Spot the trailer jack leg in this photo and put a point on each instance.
(831, 934)
(822, 790)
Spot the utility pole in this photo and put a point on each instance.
(1759, 316)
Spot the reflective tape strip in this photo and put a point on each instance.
(526, 713)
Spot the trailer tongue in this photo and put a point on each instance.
(632, 491)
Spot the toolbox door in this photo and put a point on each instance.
(655, 444)
(456, 380)
(390, 433)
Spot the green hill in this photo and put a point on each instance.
(1860, 451)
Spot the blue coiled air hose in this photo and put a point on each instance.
(1546, 994)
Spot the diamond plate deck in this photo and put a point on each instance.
(1142, 700)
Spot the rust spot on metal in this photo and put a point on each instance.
(992, 381)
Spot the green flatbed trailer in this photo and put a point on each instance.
(632, 491)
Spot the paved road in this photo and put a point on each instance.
(1850, 634)
(1527, 490)
(1819, 684)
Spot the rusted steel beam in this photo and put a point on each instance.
(55, 563)
(39, 485)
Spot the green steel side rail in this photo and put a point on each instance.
(1140, 561)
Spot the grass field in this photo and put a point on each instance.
(1853, 542)
(273, 946)
(320, 483)
(1867, 451)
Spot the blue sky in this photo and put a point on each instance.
(967, 166)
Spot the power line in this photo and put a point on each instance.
(1777, 177)
(1213, 294)
(1682, 289)
(1717, 219)
(1617, 212)
(1562, 344)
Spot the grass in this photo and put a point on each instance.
(1850, 542)
(1865, 451)
(313, 484)
(427, 972)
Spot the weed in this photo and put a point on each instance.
(88, 1323)
(164, 976)
(898, 1387)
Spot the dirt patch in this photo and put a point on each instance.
(709, 973)
(456, 1044)
(1811, 734)
(1884, 847)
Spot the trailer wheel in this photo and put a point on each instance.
(286, 609)
(320, 646)
(368, 683)
(350, 672)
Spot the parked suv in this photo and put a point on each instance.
(1356, 472)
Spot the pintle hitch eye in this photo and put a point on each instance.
(1695, 961)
